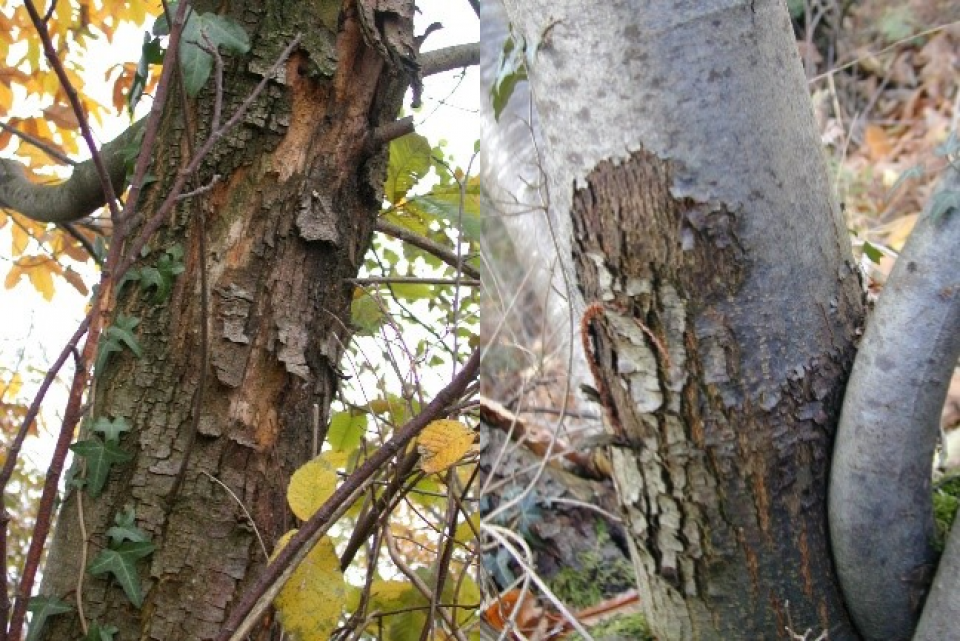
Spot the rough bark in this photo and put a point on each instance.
(881, 512)
(288, 222)
(681, 142)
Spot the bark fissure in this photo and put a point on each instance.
(724, 479)
(280, 302)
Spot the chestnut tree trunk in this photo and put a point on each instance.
(286, 224)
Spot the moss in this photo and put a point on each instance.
(632, 626)
(583, 586)
(946, 500)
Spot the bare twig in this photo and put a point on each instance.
(427, 245)
(411, 280)
(42, 145)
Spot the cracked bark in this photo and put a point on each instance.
(279, 305)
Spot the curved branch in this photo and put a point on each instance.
(440, 60)
(942, 609)
(79, 196)
(880, 506)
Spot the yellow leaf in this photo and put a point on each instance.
(19, 240)
(13, 276)
(13, 387)
(442, 443)
(310, 604)
(41, 277)
(311, 485)
(6, 99)
(467, 531)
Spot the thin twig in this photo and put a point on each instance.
(427, 245)
(42, 145)
(411, 280)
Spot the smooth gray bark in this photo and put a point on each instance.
(681, 139)
(881, 516)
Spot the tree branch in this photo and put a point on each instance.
(79, 196)
(427, 245)
(880, 504)
(440, 60)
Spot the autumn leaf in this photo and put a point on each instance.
(442, 443)
(311, 485)
(310, 604)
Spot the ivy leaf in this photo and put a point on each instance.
(115, 337)
(111, 430)
(42, 608)
(122, 331)
(150, 54)
(162, 277)
(121, 563)
(200, 34)
(126, 529)
(100, 457)
(224, 32)
(161, 27)
(98, 632)
(511, 72)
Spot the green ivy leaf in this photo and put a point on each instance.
(346, 430)
(872, 252)
(121, 563)
(126, 529)
(195, 65)
(150, 54)
(100, 457)
(122, 331)
(111, 430)
(200, 34)
(42, 608)
(97, 632)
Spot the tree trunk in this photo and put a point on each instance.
(287, 223)
(720, 292)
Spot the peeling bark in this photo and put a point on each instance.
(286, 226)
(693, 201)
